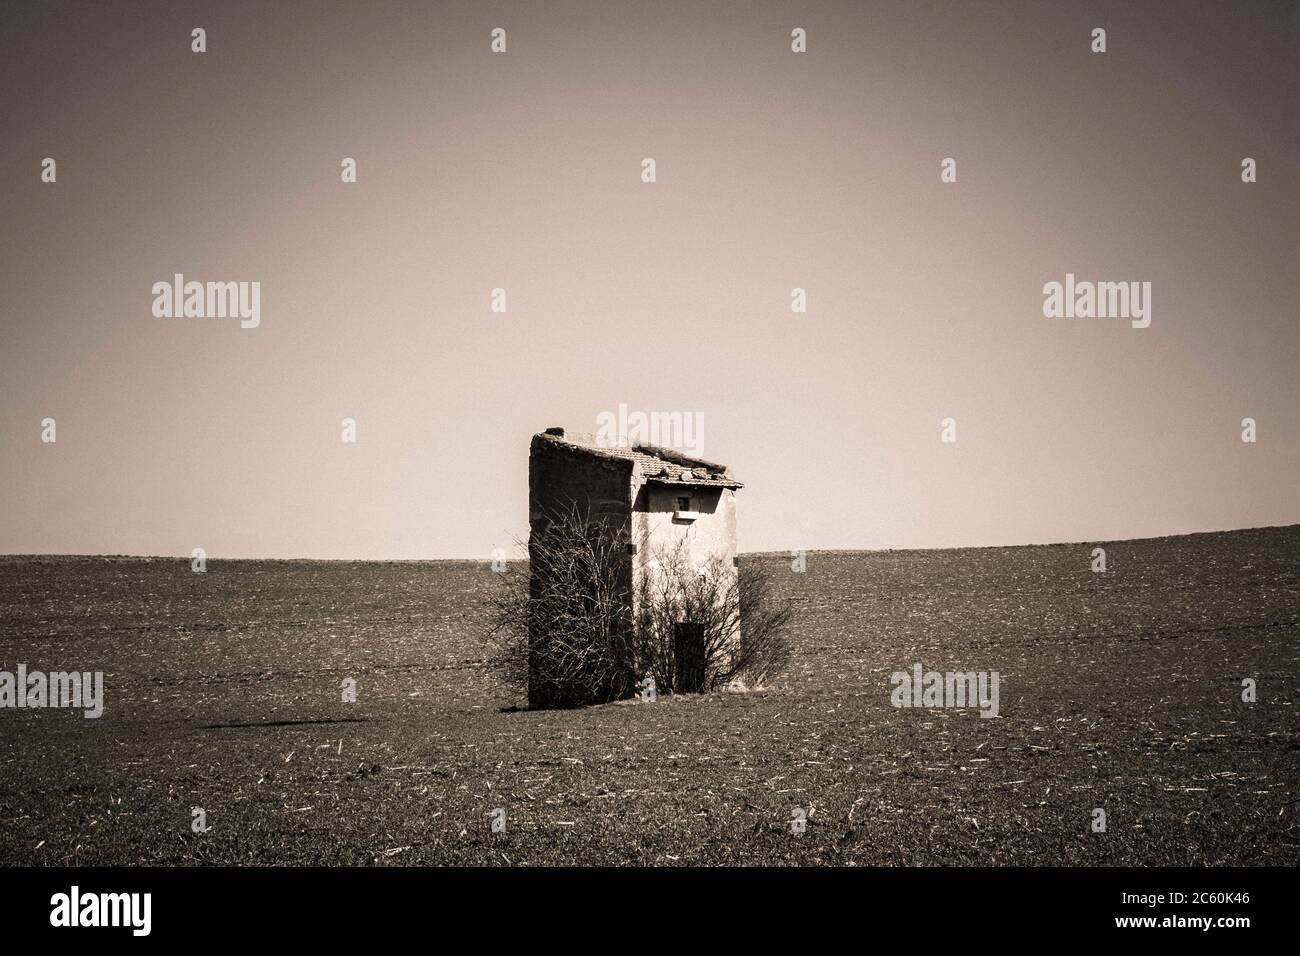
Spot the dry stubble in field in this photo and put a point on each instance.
(1119, 691)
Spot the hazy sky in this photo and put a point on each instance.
(522, 170)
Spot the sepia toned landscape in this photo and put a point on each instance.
(1119, 690)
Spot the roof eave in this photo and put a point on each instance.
(695, 482)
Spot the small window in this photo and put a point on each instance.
(683, 504)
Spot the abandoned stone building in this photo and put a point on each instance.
(658, 499)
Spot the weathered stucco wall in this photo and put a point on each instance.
(712, 533)
(559, 478)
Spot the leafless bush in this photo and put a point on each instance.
(565, 618)
(699, 628)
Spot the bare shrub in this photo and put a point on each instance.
(565, 618)
(701, 627)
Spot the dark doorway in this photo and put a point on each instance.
(688, 651)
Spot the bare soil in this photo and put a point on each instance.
(1119, 691)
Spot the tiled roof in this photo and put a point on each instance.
(661, 465)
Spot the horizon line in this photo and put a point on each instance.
(69, 555)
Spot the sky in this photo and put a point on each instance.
(522, 170)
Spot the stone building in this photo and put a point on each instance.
(658, 498)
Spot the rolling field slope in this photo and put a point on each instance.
(1119, 691)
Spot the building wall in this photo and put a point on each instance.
(558, 478)
(601, 488)
(712, 533)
